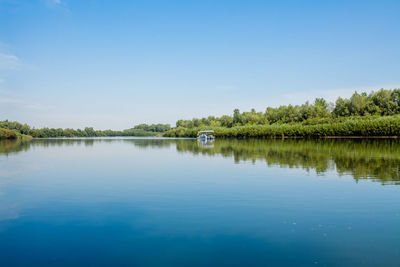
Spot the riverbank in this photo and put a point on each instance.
(353, 127)
(10, 134)
(13, 127)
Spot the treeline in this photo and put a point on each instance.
(380, 103)
(359, 115)
(352, 126)
(146, 130)
(373, 114)
(10, 129)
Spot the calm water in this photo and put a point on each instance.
(160, 202)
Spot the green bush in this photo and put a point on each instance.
(7, 134)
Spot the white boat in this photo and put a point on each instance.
(206, 135)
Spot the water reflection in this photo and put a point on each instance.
(378, 160)
(13, 146)
(205, 143)
(363, 159)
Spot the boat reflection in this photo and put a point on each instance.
(205, 143)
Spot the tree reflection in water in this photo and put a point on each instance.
(376, 159)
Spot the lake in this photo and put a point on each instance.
(180, 202)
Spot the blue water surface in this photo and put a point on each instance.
(163, 202)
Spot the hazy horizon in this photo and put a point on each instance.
(71, 64)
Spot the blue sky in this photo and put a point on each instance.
(113, 64)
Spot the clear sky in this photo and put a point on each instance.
(113, 64)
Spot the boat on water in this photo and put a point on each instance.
(206, 135)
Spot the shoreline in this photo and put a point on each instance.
(221, 138)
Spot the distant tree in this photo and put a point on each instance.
(237, 118)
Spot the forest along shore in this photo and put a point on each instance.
(376, 114)
(10, 134)
(362, 115)
(354, 127)
(13, 129)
